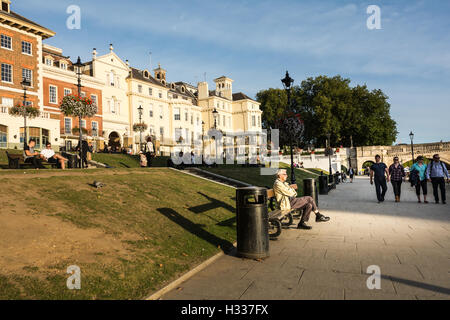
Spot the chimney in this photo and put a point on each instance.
(203, 91)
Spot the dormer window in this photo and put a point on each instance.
(146, 74)
(63, 65)
(183, 89)
(49, 62)
(5, 6)
(172, 86)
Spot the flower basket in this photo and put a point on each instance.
(73, 105)
(76, 130)
(140, 127)
(20, 111)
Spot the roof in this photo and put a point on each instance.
(38, 29)
(139, 75)
(214, 93)
(241, 96)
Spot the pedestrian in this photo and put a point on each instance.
(84, 151)
(436, 173)
(286, 196)
(420, 182)
(380, 172)
(397, 174)
(149, 151)
(351, 173)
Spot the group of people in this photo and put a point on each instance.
(420, 174)
(47, 154)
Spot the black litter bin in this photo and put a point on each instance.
(310, 189)
(252, 223)
(323, 185)
(72, 160)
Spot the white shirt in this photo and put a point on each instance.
(150, 147)
(48, 153)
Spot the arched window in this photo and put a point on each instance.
(112, 78)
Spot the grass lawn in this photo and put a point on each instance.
(253, 175)
(141, 230)
(125, 160)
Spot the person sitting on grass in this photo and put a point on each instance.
(31, 156)
(286, 196)
(51, 157)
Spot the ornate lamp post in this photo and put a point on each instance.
(140, 110)
(411, 136)
(25, 83)
(215, 115)
(78, 66)
(287, 83)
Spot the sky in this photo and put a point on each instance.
(254, 42)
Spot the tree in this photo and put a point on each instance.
(330, 105)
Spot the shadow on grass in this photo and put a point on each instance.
(213, 204)
(226, 246)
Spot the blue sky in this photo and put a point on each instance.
(255, 41)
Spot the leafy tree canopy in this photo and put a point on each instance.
(331, 105)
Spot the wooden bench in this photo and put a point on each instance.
(277, 218)
(17, 161)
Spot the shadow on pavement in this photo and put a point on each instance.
(417, 284)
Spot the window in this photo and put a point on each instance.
(53, 94)
(160, 94)
(29, 103)
(224, 121)
(186, 115)
(94, 99)
(6, 72)
(3, 136)
(177, 114)
(253, 121)
(49, 62)
(111, 79)
(83, 94)
(67, 92)
(26, 47)
(150, 91)
(6, 42)
(7, 102)
(161, 112)
(67, 125)
(161, 132)
(178, 135)
(94, 128)
(63, 65)
(83, 124)
(151, 111)
(28, 75)
(259, 121)
(152, 130)
(112, 106)
(139, 88)
(192, 118)
(198, 120)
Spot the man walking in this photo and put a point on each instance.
(436, 174)
(286, 199)
(381, 173)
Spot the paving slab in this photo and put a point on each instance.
(409, 242)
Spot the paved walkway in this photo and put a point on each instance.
(410, 242)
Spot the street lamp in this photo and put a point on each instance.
(411, 136)
(287, 83)
(78, 66)
(140, 110)
(215, 115)
(25, 83)
(329, 151)
(203, 142)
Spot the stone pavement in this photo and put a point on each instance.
(410, 242)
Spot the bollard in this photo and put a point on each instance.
(252, 225)
(323, 185)
(310, 189)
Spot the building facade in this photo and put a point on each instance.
(20, 56)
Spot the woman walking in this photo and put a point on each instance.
(149, 151)
(351, 173)
(397, 173)
(421, 182)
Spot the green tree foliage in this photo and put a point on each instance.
(331, 105)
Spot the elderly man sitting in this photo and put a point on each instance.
(286, 199)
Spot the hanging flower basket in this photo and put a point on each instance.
(140, 127)
(76, 130)
(73, 105)
(20, 110)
